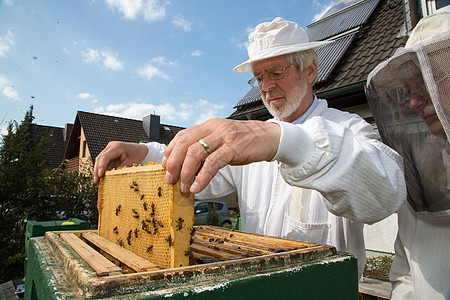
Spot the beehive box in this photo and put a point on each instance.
(225, 264)
(140, 212)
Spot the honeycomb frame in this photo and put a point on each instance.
(140, 212)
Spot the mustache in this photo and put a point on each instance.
(274, 94)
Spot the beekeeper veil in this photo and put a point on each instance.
(409, 95)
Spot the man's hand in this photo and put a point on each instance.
(119, 154)
(231, 142)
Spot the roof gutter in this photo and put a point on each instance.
(342, 90)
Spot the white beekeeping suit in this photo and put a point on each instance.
(409, 95)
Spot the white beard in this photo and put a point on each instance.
(293, 101)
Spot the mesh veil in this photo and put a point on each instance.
(409, 95)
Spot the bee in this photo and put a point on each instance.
(147, 220)
(192, 231)
(142, 196)
(211, 240)
(136, 232)
(115, 230)
(144, 225)
(231, 235)
(129, 237)
(155, 230)
(154, 222)
(169, 240)
(160, 224)
(131, 186)
(134, 183)
(118, 209)
(188, 252)
(153, 209)
(191, 240)
(119, 241)
(136, 214)
(179, 222)
(136, 189)
(216, 248)
(149, 248)
(159, 191)
(144, 205)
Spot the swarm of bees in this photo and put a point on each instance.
(150, 224)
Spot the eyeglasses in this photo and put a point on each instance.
(274, 74)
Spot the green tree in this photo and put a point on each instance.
(21, 164)
(30, 191)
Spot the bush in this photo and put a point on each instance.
(378, 267)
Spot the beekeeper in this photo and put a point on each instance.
(312, 173)
(409, 95)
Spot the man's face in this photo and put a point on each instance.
(283, 97)
(420, 102)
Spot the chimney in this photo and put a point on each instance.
(151, 126)
(67, 131)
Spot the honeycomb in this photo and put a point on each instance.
(139, 211)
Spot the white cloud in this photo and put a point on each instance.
(6, 42)
(239, 45)
(150, 10)
(9, 92)
(154, 10)
(324, 7)
(180, 22)
(149, 72)
(84, 96)
(196, 53)
(111, 61)
(161, 60)
(170, 114)
(7, 89)
(3, 130)
(207, 110)
(106, 56)
(90, 55)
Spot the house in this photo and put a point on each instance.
(91, 133)
(365, 33)
(58, 139)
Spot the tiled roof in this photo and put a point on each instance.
(56, 144)
(100, 129)
(377, 40)
(253, 95)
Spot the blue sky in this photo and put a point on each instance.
(130, 58)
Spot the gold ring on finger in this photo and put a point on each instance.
(205, 146)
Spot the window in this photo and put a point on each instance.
(83, 149)
(430, 6)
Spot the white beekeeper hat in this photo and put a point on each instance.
(394, 72)
(279, 37)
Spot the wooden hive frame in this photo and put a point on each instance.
(140, 212)
(106, 268)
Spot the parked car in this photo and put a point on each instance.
(204, 213)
